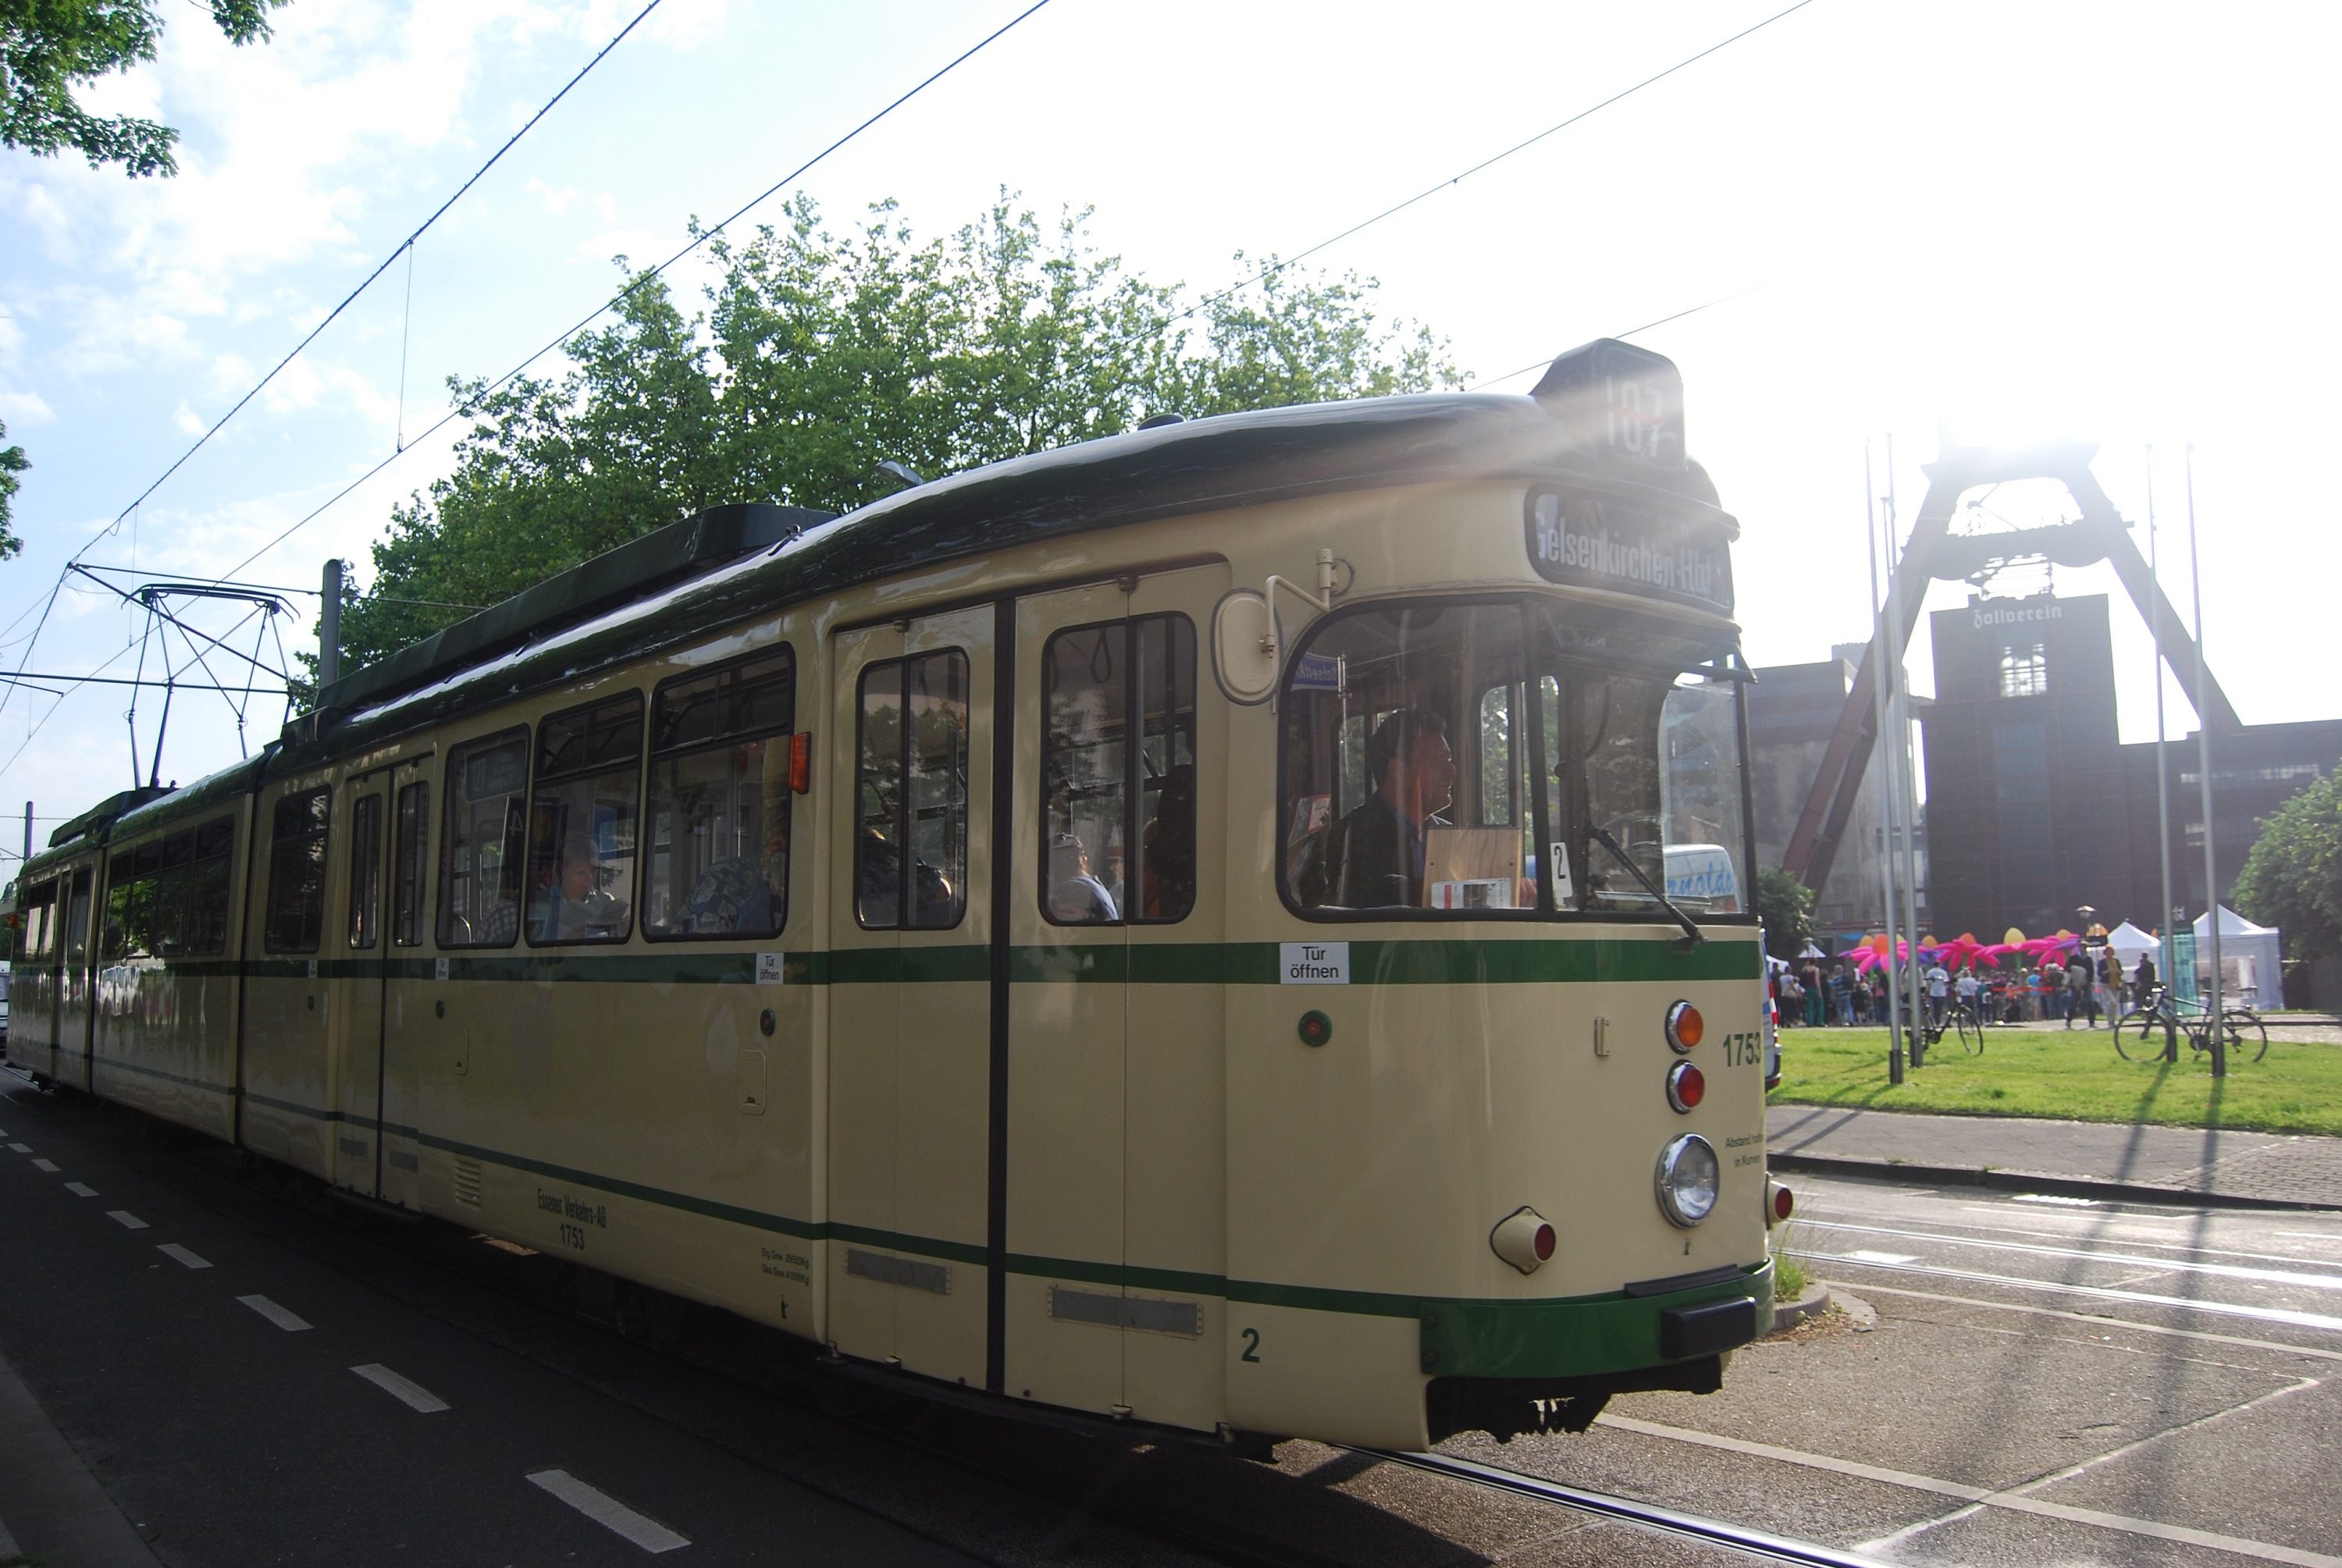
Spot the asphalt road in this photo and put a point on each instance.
(2046, 1380)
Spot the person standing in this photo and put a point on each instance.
(2081, 995)
(1967, 986)
(2053, 988)
(1940, 993)
(1841, 993)
(1816, 997)
(2142, 982)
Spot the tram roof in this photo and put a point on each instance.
(1214, 463)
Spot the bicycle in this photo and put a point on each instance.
(1960, 1021)
(2242, 1032)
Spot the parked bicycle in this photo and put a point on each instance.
(1960, 1020)
(2239, 1028)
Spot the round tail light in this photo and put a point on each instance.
(1524, 1239)
(1543, 1244)
(1778, 1202)
(1686, 1086)
(1685, 1026)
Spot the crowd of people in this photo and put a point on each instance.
(2073, 988)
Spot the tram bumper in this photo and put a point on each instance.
(1506, 1368)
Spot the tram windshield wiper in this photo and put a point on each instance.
(1692, 935)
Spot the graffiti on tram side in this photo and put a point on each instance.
(575, 1215)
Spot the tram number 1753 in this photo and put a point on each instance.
(1746, 1049)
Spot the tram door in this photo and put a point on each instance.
(76, 987)
(910, 990)
(355, 1011)
(1116, 1206)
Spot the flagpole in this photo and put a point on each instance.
(2204, 773)
(2162, 765)
(1878, 751)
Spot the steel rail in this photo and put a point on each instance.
(1627, 1510)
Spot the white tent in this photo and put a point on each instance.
(2129, 941)
(2248, 959)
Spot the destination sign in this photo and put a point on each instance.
(1620, 399)
(1579, 540)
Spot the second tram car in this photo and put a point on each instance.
(1176, 929)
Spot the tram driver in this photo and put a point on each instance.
(1373, 857)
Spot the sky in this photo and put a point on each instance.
(1983, 222)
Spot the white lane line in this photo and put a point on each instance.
(609, 1512)
(181, 1255)
(2100, 1320)
(81, 1189)
(48, 1165)
(20, 1148)
(290, 1321)
(126, 1219)
(2219, 1271)
(2015, 1501)
(2060, 1201)
(412, 1395)
(1869, 1256)
(2218, 1309)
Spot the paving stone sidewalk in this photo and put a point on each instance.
(2170, 1163)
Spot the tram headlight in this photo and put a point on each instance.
(1686, 1180)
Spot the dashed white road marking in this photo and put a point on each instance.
(2102, 1319)
(412, 1395)
(81, 1189)
(126, 1219)
(48, 1165)
(609, 1512)
(289, 1321)
(2322, 1282)
(1989, 1497)
(181, 1255)
(1869, 1256)
(20, 1148)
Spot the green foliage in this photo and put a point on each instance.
(1784, 906)
(12, 461)
(821, 356)
(48, 47)
(2293, 878)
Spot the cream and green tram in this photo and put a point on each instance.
(1178, 928)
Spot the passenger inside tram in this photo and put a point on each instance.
(1076, 896)
(575, 907)
(1375, 854)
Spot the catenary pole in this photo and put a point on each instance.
(1908, 805)
(1879, 702)
(329, 628)
(2162, 771)
(2204, 773)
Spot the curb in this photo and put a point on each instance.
(2025, 1182)
(1813, 1303)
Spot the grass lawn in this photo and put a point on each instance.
(2069, 1074)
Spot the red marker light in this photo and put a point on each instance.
(800, 763)
(1783, 1203)
(1686, 1086)
(1545, 1243)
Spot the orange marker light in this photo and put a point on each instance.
(1685, 1026)
(800, 762)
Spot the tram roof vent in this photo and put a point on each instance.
(656, 561)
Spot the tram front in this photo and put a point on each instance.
(1503, 1136)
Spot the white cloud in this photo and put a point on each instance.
(187, 420)
(555, 201)
(20, 408)
(607, 206)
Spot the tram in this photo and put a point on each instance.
(1175, 929)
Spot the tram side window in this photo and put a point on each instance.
(365, 872)
(581, 825)
(296, 872)
(37, 928)
(133, 883)
(76, 942)
(1118, 819)
(170, 916)
(1383, 713)
(407, 865)
(719, 800)
(207, 886)
(480, 844)
(910, 848)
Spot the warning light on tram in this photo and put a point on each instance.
(1686, 1086)
(1778, 1202)
(1524, 1239)
(1685, 1026)
(800, 763)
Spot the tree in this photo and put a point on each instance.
(48, 47)
(12, 461)
(2293, 877)
(818, 357)
(1784, 906)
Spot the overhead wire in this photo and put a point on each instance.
(701, 238)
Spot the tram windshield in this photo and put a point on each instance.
(1511, 757)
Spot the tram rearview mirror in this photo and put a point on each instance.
(1243, 646)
